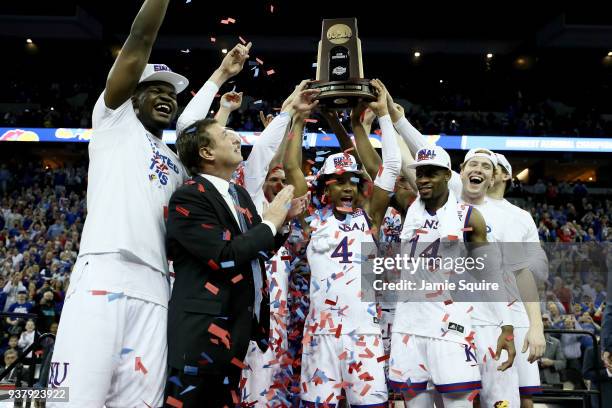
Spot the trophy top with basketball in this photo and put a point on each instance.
(339, 66)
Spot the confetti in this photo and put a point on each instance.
(115, 296)
(213, 39)
(173, 402)
(176, 380)
(227, 264)
(259, 61)
(126, 351)
(182, 211)
(445, 318)
(138, 366)
(99, 293)
(213, 265)
(224, 22)
(238, 363)
(237, 278)
(365, 390)
(270, 72)
(314, 64)
(201, 188)
(186, 390)
(310, 120)
(211, 288)
(231, 20)
(186, 51)
(271, 8)
(190, 370)
(242, 40)
(383, 358)
(473, 395)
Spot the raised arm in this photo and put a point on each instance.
(384, 184)
(230, 101)
(361, 122)
(132, 60)
(199, 106)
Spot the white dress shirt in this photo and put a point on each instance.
(223, 187)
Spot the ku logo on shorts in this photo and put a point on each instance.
(57, 373)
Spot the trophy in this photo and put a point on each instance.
(339, 67)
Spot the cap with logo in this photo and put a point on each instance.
(431, 156)
(502, 161)
(163, 73)
(340, 163)
(481, 152)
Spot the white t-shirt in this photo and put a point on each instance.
(501, 229)
(132, 175)
(334, 255)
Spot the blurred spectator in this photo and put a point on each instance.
(27, 337)
(600, 377)
(553, 361)
(571, 343)
(12, 288)
(10, 356)
(21, 306)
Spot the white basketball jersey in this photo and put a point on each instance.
(334, 256)
(443, 318)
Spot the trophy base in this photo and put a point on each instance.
(343, 94)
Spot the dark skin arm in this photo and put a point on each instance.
(505, 341)
(371, 159)
(129, 65)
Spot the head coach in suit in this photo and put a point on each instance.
(216, 240)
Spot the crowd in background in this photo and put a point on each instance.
(42, 213)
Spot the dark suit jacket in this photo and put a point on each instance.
(594, 370)
(202, 237)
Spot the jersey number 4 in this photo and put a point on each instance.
(342, 251)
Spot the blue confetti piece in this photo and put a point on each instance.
(300, 313)
(206, 357)
(319, 159)
(126, 351)
(227, 264)
(322, 152)
(190, 370)
(115, 296)
(176, 380)
(186, 390)
(355, 180)
(226, 381)
(263, 253)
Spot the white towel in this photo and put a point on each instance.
(449, 223)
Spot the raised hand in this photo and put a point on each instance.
(233, 62)
(265, 119)
(231, 100)
(305, 101)
(298, 88)
(379, 106)
(277, 211)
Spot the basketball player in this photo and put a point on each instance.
(342, 338)
(525, 231)
(119, 288)
(431, 339)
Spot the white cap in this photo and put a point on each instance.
(481, 152)
(502, 161)
(163, 73)
(431, 156)
(340, 162)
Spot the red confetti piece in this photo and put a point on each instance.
(99, 292)
(138, 366)
(330, 302)
(405, 339)
(511, 303)
(491, 352)
(201, 188)
(304, 387)
(421, 231)
(473, 395)
(181, 210)
(445, 318)
(380, 170)
(470, 309)
(310, 120)
(166, 212)
(423, 367)
(342, 355)
(509, 337)
(259, 61)
(270, 72)
(193, 93)
(338, 331)
(365, 390)
(242, 40)
(467, 229)
(368, 354)
(237, 278)
(224, 22)
(173, 402)
(452, 237)
(448, 302)
(231, 20)
(211, 288)
(207, 226)
(213, 265)
(383, 358)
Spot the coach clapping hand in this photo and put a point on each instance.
(279, 207)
